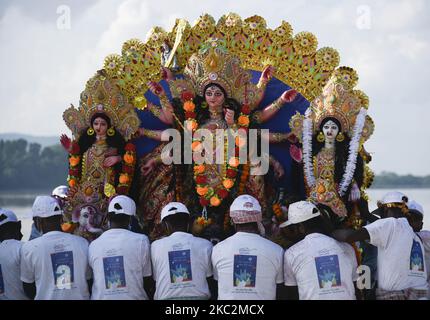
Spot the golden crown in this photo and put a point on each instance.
(214, 64)
(338, 100)
(101, 95)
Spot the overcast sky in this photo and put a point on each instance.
(44, 68)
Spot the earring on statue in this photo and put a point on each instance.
(90, 131)
(111, 132)
(340, 137)
(320, 137)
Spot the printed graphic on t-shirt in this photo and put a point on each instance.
(328, 271)
(245, 270)
(62, 266)
(417, 259)
(180, 266)
(114, 272)
(1, 282)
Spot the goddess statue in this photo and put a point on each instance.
(216, 93)
(101, 163)
(332, 132)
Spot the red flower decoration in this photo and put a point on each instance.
(189, 114)
(204, 202)
(200, 179)
(186, 96)
(127, 169)
(222, 193)
(231, 173)
(130, 147)
(246, 109)
(121, 190)
(74, 172)
(75, 148)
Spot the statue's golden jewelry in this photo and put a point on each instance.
(340, 137)
(90, 131)
(111, 132)
(156, 111)
(320, 137)
(164, 100)
(277, 104)
(257, 116)
(150, 133)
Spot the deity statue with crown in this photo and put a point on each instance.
(239, 74)
(332, 132)
(101, 162)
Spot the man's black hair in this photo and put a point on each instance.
(178, 220)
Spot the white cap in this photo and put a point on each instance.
(299, 212)
(245, 202)
(413, 205)
(173, 208)
(394, 197)
(60, 191)
(122, 205)
(7, 216)
(46, 206)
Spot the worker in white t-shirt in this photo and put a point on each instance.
(181, 262)
(416, 216)
(316, 267)
(10, 257)
(246, 265)
(55, 265)
(120, 259)
(402, 272)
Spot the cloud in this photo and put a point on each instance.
(44, 68)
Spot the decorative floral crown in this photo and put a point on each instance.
(339, 102)
(101, 95)
(213, 64)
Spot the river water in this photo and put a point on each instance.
(21, 204)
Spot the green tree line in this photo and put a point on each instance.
(25, 166)
(392, 180)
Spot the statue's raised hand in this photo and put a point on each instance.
(111, 161)
(155, 88)
(166, 74)
(267, 74)
(65, 142)
(229, 117)
(289, 96)
(148, 167)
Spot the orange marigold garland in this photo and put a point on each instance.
(209, 196)
(74, 165)
(127, 170)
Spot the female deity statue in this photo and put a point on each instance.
(216, 93)
(101, 164)
(333, 131)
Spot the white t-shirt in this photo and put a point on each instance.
(120, 259)
(401, 262)
(10, 260)
(425, 238)
(181, 263)
(247, 267)
(322, 268)
(58, 263)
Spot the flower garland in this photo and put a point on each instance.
(74, 165)
(307, 150)
(209, 196)
(353, 151)
(127, 170)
